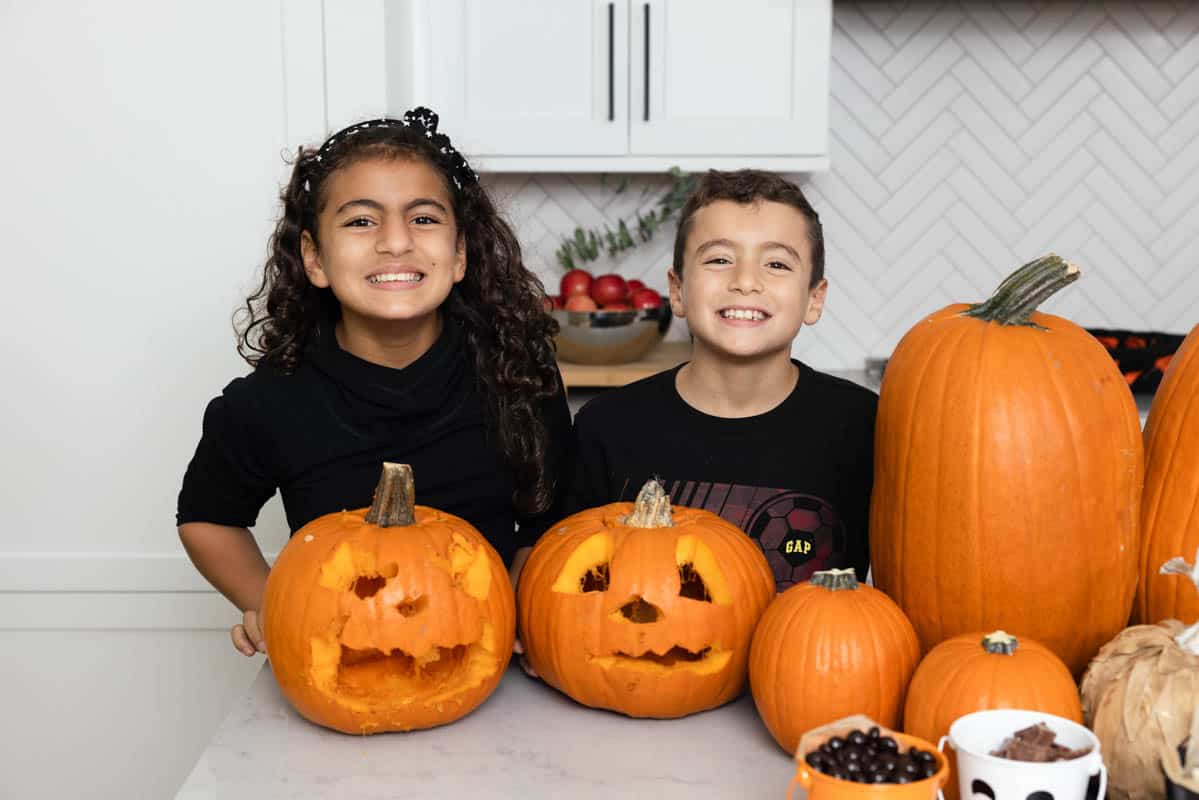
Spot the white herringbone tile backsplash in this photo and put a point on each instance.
(967, 138)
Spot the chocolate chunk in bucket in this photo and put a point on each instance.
(1036, 743)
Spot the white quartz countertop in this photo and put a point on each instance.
(527, 740)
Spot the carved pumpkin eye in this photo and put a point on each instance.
(588, 567)
(595, 579)
(700, 577)
(691, 583)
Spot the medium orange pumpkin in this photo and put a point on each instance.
(1170, 502)
(827, 649)
(643, 609)
(973, 672)
(1007, 474)
(390, 618)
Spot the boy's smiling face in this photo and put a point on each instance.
(745, 289)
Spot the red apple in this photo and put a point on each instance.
(634, 285)
(617, 307)
(580, 302)
(609, 288)
(646, 298)
(577, 281)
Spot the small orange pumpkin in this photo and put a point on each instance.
(390, 618)
(826, 649)
(973, 672)
(643, 609)
(1170, 501)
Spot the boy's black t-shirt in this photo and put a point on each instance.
(321, 434)
(797, 478)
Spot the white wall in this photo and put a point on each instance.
(141, 156)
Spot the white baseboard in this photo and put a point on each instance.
(41, 611)
(113, 591)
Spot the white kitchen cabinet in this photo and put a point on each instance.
(748, 78)
(539, 78)
(585, 85)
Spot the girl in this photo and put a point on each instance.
(395, 322)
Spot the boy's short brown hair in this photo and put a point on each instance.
(746, 186)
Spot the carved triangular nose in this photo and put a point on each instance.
(639, 611)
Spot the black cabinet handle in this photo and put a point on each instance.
(611, 62)
(645, 9)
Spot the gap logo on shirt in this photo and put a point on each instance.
(799, 533)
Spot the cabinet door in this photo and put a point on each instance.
(710, 77)
(530, 77)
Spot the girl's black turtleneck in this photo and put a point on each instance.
(321, 434)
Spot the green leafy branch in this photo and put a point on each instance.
(585, 245)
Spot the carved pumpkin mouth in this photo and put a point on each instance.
(676, 659)
(361, 673)
(373, 678)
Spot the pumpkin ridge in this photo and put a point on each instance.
(1075, 471)
(982, 379)
(1174, 540)
(940, 575)
(899, 590)
(876, 649)
(786, 623)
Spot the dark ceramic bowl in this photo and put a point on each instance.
(609, 337)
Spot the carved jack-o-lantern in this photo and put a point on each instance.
(390, 618)
(641, 609)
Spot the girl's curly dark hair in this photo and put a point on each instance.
(499, 303)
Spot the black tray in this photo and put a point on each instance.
(1142, 356)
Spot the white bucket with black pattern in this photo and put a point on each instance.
(982, 776)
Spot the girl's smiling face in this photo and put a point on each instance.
(389, 247)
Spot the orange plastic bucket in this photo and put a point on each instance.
(825, 787)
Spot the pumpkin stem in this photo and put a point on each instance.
(1013, 302)
(393, 503)
(835, 579)
(1188, 640)
(652, 508)
(1000, 643)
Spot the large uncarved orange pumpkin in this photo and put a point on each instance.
(643, 609)
(390, 618)
(973, 672)
(827, 649)
(1007, 474)
(1170, 502)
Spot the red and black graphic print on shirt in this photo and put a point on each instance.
(799, 533)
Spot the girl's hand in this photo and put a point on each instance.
(518, 650)
(248, 636)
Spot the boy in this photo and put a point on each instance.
(743, 430)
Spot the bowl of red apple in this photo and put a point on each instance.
(606, 319)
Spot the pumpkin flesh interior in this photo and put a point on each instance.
(386, 675)
(370, 679)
